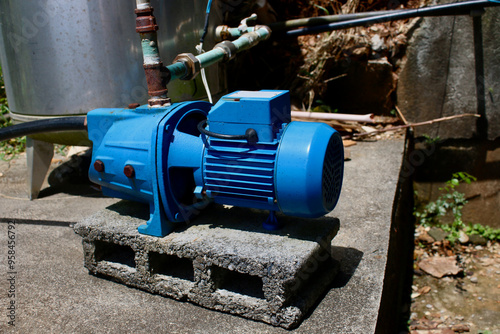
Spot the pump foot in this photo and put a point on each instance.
(272, 222)
(158, 225)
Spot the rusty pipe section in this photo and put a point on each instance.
(156, 75)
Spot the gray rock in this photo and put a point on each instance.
(477, 239)
(463, 238)
(437, 234)
(377, 43)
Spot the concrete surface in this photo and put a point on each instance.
(55, 293)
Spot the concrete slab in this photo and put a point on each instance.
(55, 293)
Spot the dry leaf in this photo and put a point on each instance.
(424, 290)
(348, 143)
(440, 266)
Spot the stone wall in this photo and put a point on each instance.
(453, 68)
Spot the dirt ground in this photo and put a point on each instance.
(468, 302)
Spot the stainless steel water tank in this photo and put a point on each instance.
(67, 57)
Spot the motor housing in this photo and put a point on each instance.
(158, 156)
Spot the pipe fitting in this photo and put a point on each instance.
(158, 101)
(228, 48)
(267, 35)
(222, 33)
(157, 77)
(191, 63)
(145, 21)
(255, 37)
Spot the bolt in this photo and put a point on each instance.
(129, 171)
(133, 105)
(99, 166)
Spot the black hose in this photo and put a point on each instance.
(250, 134)
(74, 123)
(277, 27)
(458, 8)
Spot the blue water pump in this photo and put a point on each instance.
(249, 155)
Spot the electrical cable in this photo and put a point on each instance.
(205, 27)
(250, 134)
(74, 123)
(200, 50)
(457, 8)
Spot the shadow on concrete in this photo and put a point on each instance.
(71, 189)
(349, 260)
(250, 220)
(72, 178)
(131, 209)
(36, 222)
(242, 219)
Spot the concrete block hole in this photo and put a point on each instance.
(171, 265)
(106, 251)
(236, 282)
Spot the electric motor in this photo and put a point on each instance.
(250, 154)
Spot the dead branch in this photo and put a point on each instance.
(335, 78)
(411, 125)
(400, 114)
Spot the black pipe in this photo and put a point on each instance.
(75, 123)
(321, 20)
(458, 8)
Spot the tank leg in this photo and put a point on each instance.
(39, 156)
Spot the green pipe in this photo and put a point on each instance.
(251, 39)
(177, 70)
(211, 57)
(150, 51)
(221, 52)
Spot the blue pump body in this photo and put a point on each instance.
(294, 167)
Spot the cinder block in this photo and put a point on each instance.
(223, 260)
